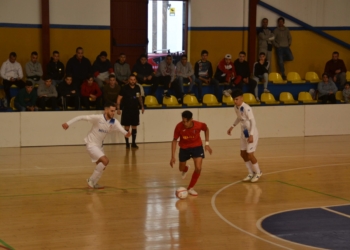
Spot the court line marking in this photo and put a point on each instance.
(336, 212)
(6, 246)
(275, 172)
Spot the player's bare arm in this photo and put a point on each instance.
(65, 126)
(250, 139)
(173, 149)
(207, 147)
(118, 104)
(230, 130)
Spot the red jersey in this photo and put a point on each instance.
(189, 137)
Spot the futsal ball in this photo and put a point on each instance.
(181, 193)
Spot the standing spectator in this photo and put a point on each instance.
(69, 93)
(90, 93)
(12, 74)
(166, 75)
(130, 97)
(265, 39)
(122, 70)
(34, 70)
(47, 95)
(102, 68)
(111, 90)
(327, 90)
(79, 67)
(242, 70)
(261, 73)
(145, 74)
(226, 73)
(346, 93)
(55, 68)
(185, 74)
(203, 71)
(336, 69)
(282, 42)
(26, 98)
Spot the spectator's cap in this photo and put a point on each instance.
(228, 56)
(236, 93)
(103, 53)
(28, 83)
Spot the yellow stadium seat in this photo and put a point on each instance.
(348, 76)
(152, 102)
(276, 78)
(312, 77)
(249, 98)
(191, 100)
(210, 100)
(305, 97)
(339, 96)
(268, 98)
(294, 77)
(12, 103)
(171, 102)
(228, 100)
(287, 98)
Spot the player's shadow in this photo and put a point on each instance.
(130, 160)
(253, 193)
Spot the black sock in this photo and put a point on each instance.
(126, 141)
(133, 135)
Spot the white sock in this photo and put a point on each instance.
(256, 168)
(96, 175)
(249, 166)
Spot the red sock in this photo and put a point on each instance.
(194, 179)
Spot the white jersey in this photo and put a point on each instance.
(100, 128)
(245, 116)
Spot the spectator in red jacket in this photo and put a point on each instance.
(90, 94)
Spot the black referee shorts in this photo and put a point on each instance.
(130, 118)
(187, 153)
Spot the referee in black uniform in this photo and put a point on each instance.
(131, 97)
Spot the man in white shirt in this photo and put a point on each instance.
(101, 125)
(249, 135)
(12, 74)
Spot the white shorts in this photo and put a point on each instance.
(249, 147)
(95, 152)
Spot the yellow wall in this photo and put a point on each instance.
(311, 51)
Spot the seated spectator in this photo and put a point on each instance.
(242, 70)
(34, 70)
(79, 67)
(122, 70)
(69, 93)
(90, 94)
(226, 73)
(3, 100)
(102, 68)
(336, 69)
(346, 92)
(111, 90)
(145, 74)
(55, 68)
(12, 74)
(47, 95)
(26, 98)
(326, 90)
(166, 75)
(203, 71)
(185, 74)
(261, 73)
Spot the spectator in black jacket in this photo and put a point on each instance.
(79, 67)
(145, 74)
(69, 93)
(102, 68)
(242, 69)
(55, 68)
(261, 73)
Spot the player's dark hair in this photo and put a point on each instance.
(103, 53)
(28, 83)
(13, 54)
(236, 93)
(242, 53)
(262, 53)
(184, 56)
(335, 52)
(34, 53)
(111, 76)
(204, 52)
(109, 104)
(187, 114)
(55, 52)
(79, 48)
(265, 19)
(281, 18)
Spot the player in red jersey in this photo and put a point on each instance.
(190, 146)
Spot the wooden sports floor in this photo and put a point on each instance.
(45, 202)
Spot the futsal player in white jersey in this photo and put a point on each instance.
(102, 124)
(249, 135)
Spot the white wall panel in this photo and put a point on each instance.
(19, 11)
(80, 12)
(10, 135)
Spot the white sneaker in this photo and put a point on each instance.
(266, 91)
(98, 187)
(248, 178)
(256, 177)
(90, 183)
(192, 192)
(185, 173)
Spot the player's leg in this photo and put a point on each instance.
(197, 154)
(134, 122)
(127, 144)
(125, 121)
(97, 155)
(246, 160)
(250, 154)
(184, 155)
(133, 136)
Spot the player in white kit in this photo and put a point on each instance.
(249, 135)
(101, 125)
